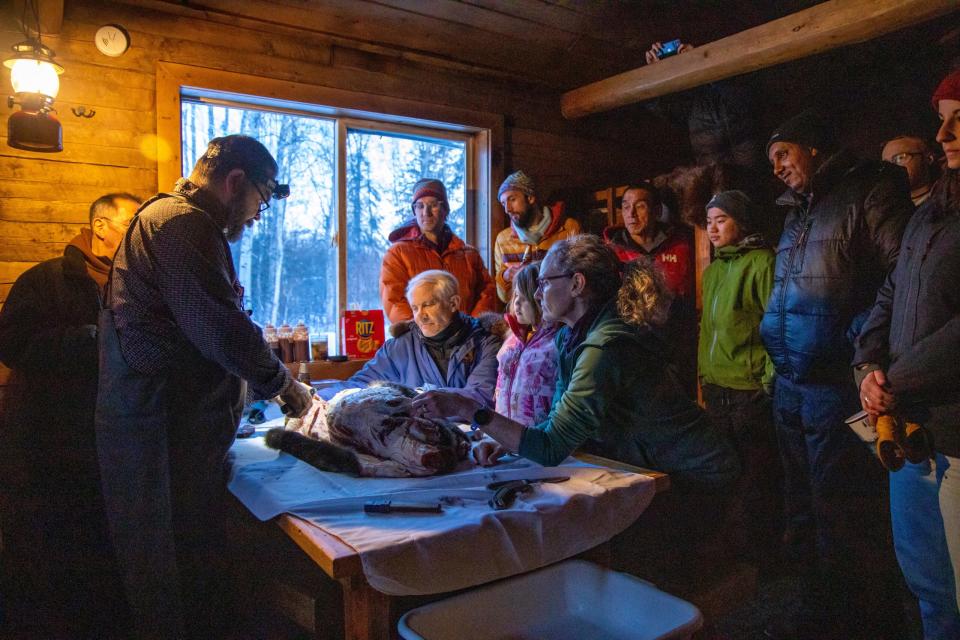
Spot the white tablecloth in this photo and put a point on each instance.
(469, 543)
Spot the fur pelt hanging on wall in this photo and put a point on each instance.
(687, 190)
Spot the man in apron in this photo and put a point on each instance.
(177, 349)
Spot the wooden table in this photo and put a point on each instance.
(367, 613)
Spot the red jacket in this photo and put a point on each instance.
(674, 255)
(411, 253)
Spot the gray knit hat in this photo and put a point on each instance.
(738, 206)
(518, 181)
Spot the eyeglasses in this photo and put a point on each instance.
(122, 227)
(264, 199)
(274, 190)
(903, 158)
(543, 280)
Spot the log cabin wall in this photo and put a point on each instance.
(346, 45)
(44, 198)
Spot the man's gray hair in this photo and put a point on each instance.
(445, 285)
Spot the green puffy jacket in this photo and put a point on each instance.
(736, 288)
(619, 391)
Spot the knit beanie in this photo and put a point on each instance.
(807, 128)
(738, 206)
(430, 187)
(948, 89)
(518, 181)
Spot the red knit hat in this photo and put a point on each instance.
(430, 187)
(949, 89)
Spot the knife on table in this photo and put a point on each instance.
(508, 490)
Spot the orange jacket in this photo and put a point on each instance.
(411, 254)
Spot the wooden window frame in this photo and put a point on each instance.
(485, 146)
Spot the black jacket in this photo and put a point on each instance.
(47, 341)
(913, 331)
(54, 528)
(833, 255)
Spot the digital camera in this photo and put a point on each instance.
(669, 49)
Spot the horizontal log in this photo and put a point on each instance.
(149, 28)
(55, 172)
(23, 190)
(106, 118)
(47, 232)
(29, 249)
(81, 153)
(43, 210)
(10, 271)
(81, 59)
(48, 12)
(820, 28)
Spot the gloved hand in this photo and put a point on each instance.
(298, 397)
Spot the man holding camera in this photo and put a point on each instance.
(720, 116)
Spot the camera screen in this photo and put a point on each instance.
(669, 48)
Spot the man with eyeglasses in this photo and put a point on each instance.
(55, 535)
(913, 154)
(177, 352)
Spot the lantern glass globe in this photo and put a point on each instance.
(34, 76)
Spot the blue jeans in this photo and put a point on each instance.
(835, 509)
(921, 545)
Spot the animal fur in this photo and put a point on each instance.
(318, 453)
(687, 190)
(371, 432)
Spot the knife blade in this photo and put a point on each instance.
(525, 481)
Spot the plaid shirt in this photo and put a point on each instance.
(174, 287)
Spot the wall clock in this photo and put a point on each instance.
(112, 40)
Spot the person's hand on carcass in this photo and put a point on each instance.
(444, 404)
(297, 396)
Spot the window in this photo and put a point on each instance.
(293, 263)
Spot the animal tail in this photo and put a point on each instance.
(323, 455)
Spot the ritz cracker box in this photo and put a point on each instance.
(362, 332)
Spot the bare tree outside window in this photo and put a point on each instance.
(288, 261)
(381, 171)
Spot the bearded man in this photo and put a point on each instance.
(177, 350)
(534, 228)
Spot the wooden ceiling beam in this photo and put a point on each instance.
(826, 26)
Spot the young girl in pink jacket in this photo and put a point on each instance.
(527, 373)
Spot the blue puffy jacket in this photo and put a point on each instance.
(834, 254)
(472, 370)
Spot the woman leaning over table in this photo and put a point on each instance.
(618, 393)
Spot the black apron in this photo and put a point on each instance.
(162, 441)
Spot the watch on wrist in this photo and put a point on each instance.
(481, 418)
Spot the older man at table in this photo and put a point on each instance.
(441, 348)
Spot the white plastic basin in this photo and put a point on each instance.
(572, 600)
